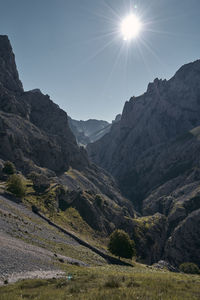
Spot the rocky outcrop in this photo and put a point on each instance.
(94, 193)
(149, 233)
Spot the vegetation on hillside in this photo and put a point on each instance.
(121, 245)
(16, 186)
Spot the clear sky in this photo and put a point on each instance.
(73, 50)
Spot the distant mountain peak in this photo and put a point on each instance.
(89, 131)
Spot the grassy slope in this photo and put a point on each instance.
(108, 282)
(69, 219)
(31, 234)
(101, 282)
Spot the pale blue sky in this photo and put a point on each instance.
(72, 50)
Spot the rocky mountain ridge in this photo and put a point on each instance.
(33, 129)
(153, 154)
(35, 136)
(167, 110)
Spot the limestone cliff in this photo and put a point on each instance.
(153, 154)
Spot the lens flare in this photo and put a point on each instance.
(130, 27)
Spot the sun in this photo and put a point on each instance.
(130, 27)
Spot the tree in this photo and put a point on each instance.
(121, 245)
(16, 186)
(9, 168)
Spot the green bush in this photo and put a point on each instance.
(9, 168)
(189, 268)
(121, 245)
(16, 186)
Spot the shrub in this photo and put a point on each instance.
(9, 168)
(16, 186)
(121, 245)
(189, 268)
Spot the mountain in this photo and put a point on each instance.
(153, 154)
(152, 151)
(91, 130)
(88, 131)
(35, 136)
(61, 226)
(34, 130)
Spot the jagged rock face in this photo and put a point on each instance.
(167, 110)
(184, 244)
(153, 153)
(179, 174)
(33, 129)
(25, 145)
(34, 134)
